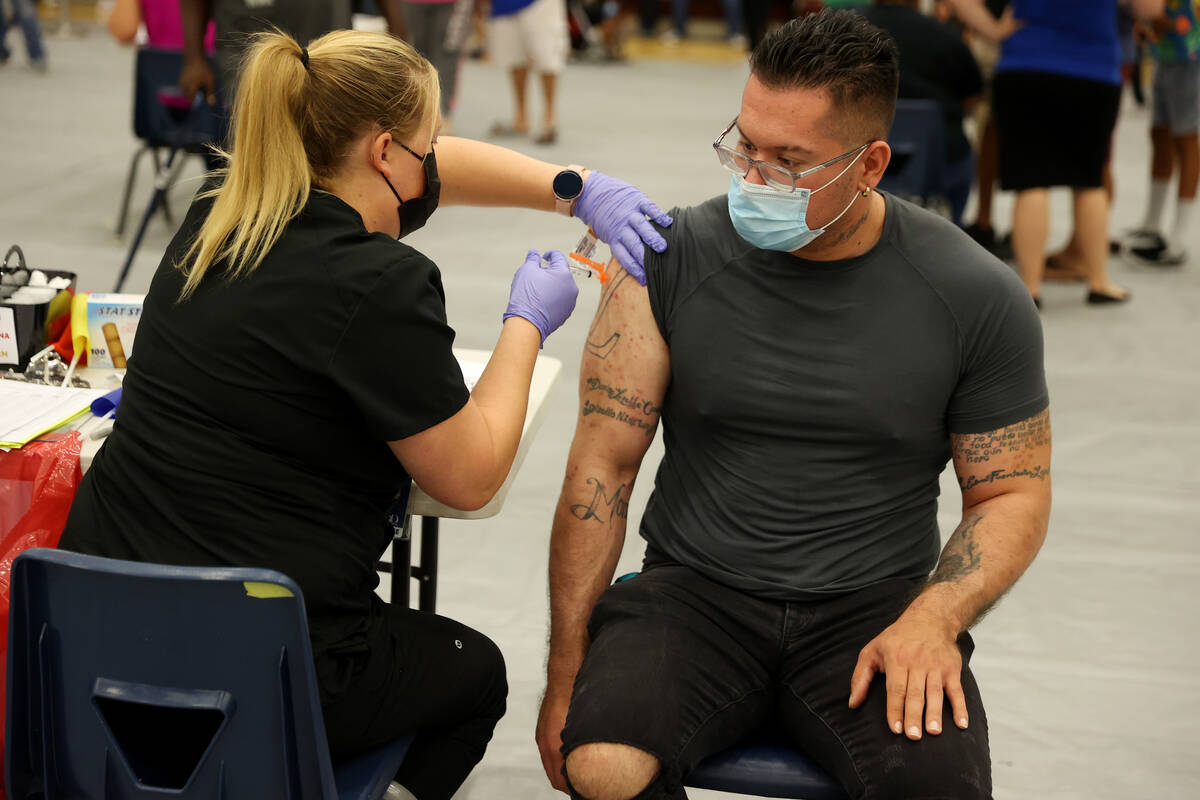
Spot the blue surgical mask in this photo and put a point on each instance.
(773, 220)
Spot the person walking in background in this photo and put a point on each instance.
(935, 64)
(1173, 134)
(1056, 95)
(681, 9)
(25, 12)
(524, 34)
(164, 26)
(428, 23)
(236, 20)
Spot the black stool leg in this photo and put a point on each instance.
(427, 595)
(160, 190)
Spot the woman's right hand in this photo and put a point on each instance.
(543, 295)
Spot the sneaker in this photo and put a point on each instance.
(738, 41)
(669, 38)
(1143, 238)
(1160, 255)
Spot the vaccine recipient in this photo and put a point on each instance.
(294, 366)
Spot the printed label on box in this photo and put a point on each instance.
(112, 325)
(8, 337)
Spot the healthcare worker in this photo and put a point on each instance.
(294, 366)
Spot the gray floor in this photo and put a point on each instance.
(1087, 667)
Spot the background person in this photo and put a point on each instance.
(525, 35)
(792, 528)
(25, 12)
(1174, 135)
(1056, 96)
(164, 26)
(294, 368)
(936, 64)
(427, 23)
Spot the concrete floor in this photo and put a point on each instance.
(1087, 667)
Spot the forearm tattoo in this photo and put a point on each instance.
(603, 508)
(1016, 443)
(961, 556)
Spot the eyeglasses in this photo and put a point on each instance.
(774, 175)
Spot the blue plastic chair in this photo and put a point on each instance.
(130, 680)
(764, 766)
(918, 142)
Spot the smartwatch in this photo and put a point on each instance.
(568, 185)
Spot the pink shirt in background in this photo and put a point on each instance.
(164, 27)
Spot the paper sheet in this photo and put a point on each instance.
(27, 410)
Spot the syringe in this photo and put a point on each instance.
(582, 260)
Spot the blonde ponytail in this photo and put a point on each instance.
(293, 124)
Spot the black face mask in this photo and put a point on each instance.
(415, 213)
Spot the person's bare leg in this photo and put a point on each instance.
(549, 86)
(1031, 227)
(610, 771)
(985, 173)
(1091, 225)
(1187, 150)
(1070, 263)
(520, 78)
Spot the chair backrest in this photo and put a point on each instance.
(130, 680)
(918, 142)
(156, 71)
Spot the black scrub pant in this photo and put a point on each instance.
(683, 667)
(424, 673)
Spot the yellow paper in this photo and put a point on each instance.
(265, 591)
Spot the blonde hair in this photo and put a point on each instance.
(293, 125)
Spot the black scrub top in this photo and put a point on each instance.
(254, 424)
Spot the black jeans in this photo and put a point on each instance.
(425, 673)
(682, 667)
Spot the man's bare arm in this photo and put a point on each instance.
(623, 379)
(1004, 475)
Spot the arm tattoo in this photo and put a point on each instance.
(1019, 440)
(597, 344)
(603, 507)
(961, 556)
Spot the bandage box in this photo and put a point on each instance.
(112, 321)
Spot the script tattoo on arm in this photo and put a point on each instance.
(629, 408)
(603, 508)
(598, 344)
(961, 556)
(1013, 446)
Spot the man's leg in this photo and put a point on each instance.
(678, 668)
(424, 673)
(549, 116)
(855, 745)
(547, 41)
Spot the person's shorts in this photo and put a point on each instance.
(535, 36)
(1054, 130)
(1177, 97)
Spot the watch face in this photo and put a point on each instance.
(567, 184)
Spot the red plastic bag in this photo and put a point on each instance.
(37, 487)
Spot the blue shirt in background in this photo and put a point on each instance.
(502, 8)
(1076, 38)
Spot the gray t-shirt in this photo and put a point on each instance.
(811, 403)
(303, 20)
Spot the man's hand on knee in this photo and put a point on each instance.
(610, 771)
(923, 664)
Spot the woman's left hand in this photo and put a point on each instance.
(617, 212)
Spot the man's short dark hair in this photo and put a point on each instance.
(842, 53)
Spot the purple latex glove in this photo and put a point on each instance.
(617, 212)
(544, 295)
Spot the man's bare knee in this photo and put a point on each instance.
(610, 771)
